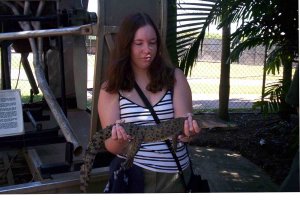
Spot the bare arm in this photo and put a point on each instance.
(109, 113)
(183, 105)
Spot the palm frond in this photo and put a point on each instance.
(191, 26)
(273, 94)
(242, 46)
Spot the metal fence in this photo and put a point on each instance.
(245, 79)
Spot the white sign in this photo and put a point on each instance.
(11, 113)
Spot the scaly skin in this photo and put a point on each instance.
(146, 133)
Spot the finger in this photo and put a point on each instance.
(180, 138)
(183, 138)
(196, 127)
(119, 132)
(114, 133)
(190, 121)
(186, 128)
(122, 133)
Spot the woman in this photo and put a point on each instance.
(139, 57)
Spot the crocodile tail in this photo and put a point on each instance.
(83, 179)
(86, 168)
(93, 148)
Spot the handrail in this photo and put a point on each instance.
(86, 29)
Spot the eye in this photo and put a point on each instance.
(137, 42)
(153, 42)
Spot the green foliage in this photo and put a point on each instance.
(263, 22)
(274, 95)
(27, 98)
(273, 24)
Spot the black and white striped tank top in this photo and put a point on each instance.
(154, 156)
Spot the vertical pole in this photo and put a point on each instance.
(62, 67)
(264, 78)
(5, 67)
(62, 75)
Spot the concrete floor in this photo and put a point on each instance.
(227, 171)
(80, 122)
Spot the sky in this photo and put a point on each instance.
(92, 7)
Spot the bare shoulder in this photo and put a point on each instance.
(108, 102)
(181, 87)
(179, 73)
(105, 95)
(182, 100)
(103, 85)
(180, 77)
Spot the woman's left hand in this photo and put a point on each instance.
(191, 129)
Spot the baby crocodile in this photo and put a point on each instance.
(146, 133)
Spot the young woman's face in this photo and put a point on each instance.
(143, 47)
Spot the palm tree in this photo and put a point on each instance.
(272, 23)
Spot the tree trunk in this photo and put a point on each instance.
(224, 88)
(171, 32)
(284, 107)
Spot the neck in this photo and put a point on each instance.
(141, 78)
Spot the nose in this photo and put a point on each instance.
(147, 48)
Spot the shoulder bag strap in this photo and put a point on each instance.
(146, 102)
(149, 106)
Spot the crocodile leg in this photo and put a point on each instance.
(133, 148)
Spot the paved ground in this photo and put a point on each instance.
(227, 171)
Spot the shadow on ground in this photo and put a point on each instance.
(227, 171)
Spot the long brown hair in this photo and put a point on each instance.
(120, 75)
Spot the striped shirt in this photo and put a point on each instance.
(154, 156)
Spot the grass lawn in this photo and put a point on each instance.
(213, 88)
(244, 79)
(212, 70)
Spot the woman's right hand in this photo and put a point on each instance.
(119, 140)
(119, 134)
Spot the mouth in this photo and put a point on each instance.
(148, 58)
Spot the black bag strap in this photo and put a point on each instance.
(155, 117)
(146, 102)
